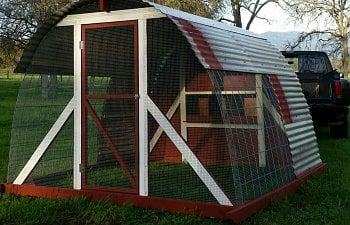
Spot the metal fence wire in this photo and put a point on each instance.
(230, 121)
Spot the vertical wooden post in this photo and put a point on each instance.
(143, 114)
(260, 120)
(183, 113)
(53, 85)
(77, 173)
(44, 86)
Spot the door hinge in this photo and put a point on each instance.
(81, 45)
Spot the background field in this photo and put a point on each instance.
(325, 199)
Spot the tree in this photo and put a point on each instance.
(252, 7)
(206, 8)
(214, 8)
(19, 20)
(334, 17)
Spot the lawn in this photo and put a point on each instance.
(325, 199)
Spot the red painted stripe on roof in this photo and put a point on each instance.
(202, 44)
(281, 98)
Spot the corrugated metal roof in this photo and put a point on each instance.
(235, 49)
(219, 46)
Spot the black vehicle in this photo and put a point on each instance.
(327, 94)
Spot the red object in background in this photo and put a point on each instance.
(338, 88)
(105, 5)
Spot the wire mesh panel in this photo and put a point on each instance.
(183, 91)
(258, 145)
(54, 54)
(43, 96)
(109, 104)
(55, 168)
(41, 100)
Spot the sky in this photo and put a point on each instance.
(280, 22)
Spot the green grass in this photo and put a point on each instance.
(8, 96)
(325, 199)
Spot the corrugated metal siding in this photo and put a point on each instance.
(301, 134)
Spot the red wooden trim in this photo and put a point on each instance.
(282, 100)
(201, 42)
(172, 205)
(111, 189)
(136, 103)
(111, 96)
(234, 213)
(110, 24)
(85, 97)
(250, 208)
(111, 145)
(105, 5)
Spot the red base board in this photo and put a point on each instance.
(235, 214)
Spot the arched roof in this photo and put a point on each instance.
(217, 45)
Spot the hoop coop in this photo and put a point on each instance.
(150, 105)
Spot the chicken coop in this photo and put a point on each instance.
(140, 103)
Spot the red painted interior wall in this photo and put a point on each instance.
(208, 144)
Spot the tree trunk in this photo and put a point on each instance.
(345, 59)
(344, 46)
(236, 11)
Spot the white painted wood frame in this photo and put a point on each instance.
(112, 16)
(187, 153)
(260, 120)
(273, 112)
(77, 179)
(183, 109)
(221, 92)
(221, 125)
(143, 119)
(104, 17)
(45, 143)
(159, 130)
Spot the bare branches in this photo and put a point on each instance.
(334, 32)
(253, 7)
(205, 8)
(19, 20)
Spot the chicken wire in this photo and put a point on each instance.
(45, 92)
(258, 144)
(182, 90)
(39, 104)
(230, 121)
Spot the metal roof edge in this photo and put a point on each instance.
(202, 20)
(42, 30)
